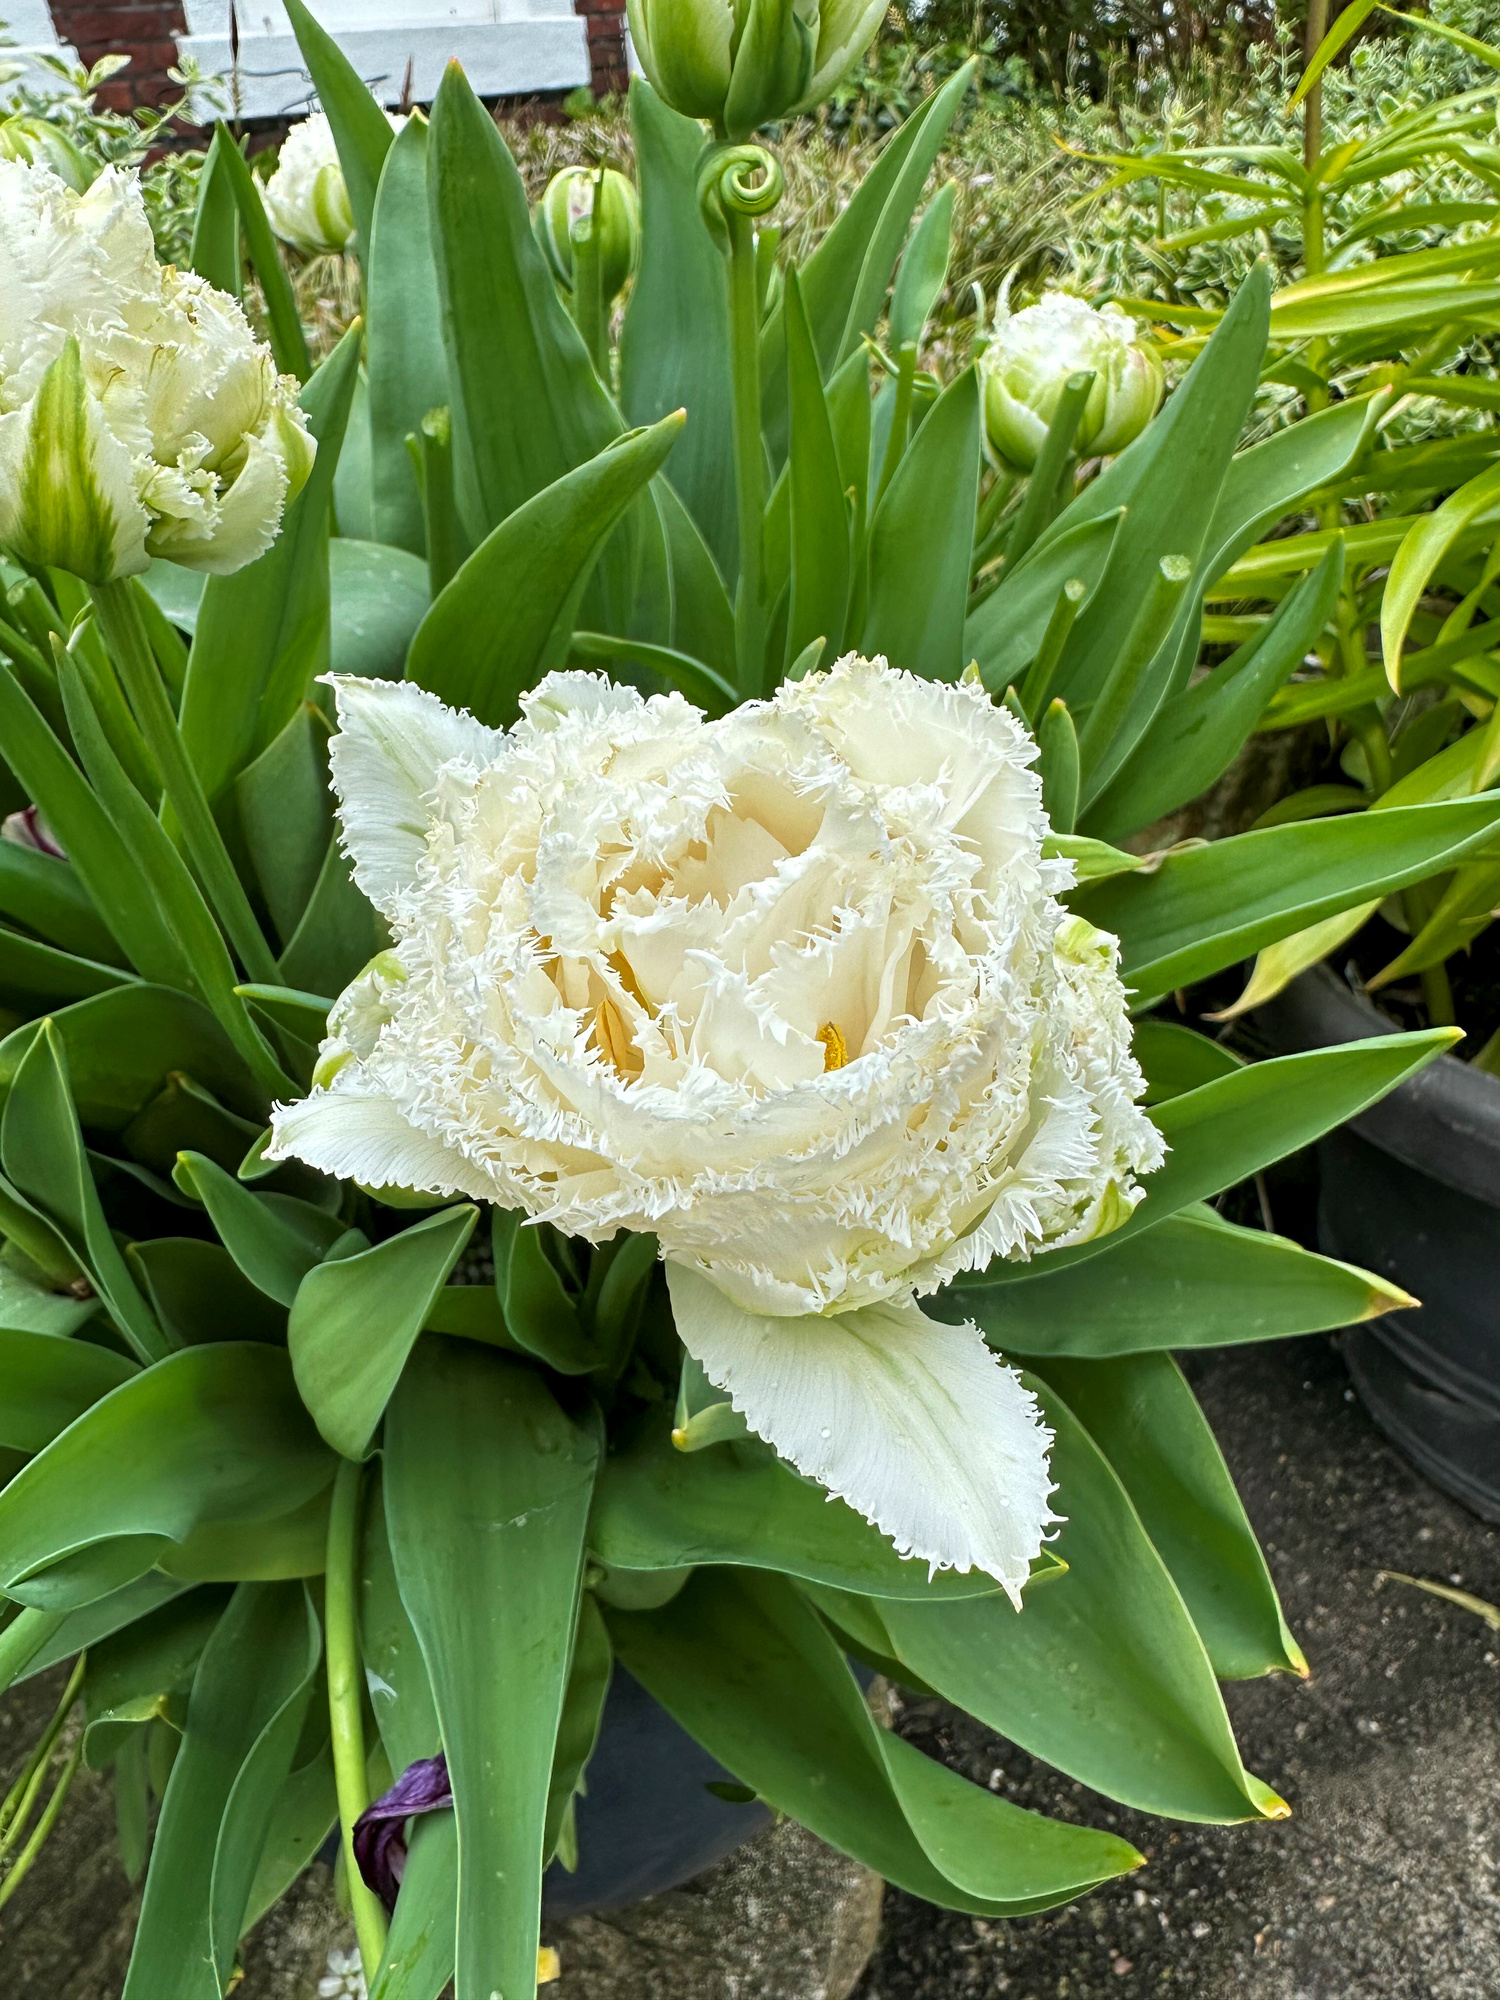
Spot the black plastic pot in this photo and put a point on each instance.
(1411, 1189)
(647, 1821)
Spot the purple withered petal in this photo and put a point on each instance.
(27, 828)
(380, 1831)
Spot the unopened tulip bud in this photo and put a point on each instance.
(742, 66)
(139, 416)
(1027, 366)
(306, 199)
(606, 201)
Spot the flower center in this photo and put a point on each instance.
(835, 1048)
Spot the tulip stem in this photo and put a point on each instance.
(749, 452)
(125, 634)
(345, 1703)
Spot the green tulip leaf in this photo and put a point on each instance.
(408, 372)
(354, 1321)
(45, 1383)
(275, 1239)
(361, 130)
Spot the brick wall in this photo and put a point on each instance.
(144, 30)
(604, 21)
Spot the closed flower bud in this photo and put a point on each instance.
(1027, 365)
(306, 198)
(139, 416)
(609, 203)
(741, 66)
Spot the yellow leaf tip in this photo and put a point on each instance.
(1275, 1807)
(680, 1437)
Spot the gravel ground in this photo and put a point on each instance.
(1385, 1885)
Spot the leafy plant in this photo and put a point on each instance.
(269, 1458)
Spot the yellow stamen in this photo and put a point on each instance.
(835, 1048)
(613, 1039)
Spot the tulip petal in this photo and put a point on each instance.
(364, 1138)
(918, 1426)
(393, 738)
(67, 488)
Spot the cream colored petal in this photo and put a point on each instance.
(393, 737)
(366, 1139)
(918, 1426)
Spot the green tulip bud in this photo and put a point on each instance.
(608, 202)
(742, 65)
(1027, 365)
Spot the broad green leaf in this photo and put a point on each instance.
(42, 1150)
(659, 1508)
(527, 405)
(1005, 630)
(1145, 1419)
(920, 541)
(286, 815)
(29, 1308)
(420, 1949)
(582, 1714)
(543, 1315)
(199, 1293)
(1168, 481)
(1197, 733)
(746, 1666)
(1174, 1059)
(131, 1675)
(702, 616)
(923, 270)
(354, 1321)
(305, 1812)
(339, 933)
(46, 1382)
(380, 596)
(249, 1696)
(845, 280)
(183, 1116)
(261, 634)
(275, 1239)
(407, 369)
(120, 1047)
(171, 883)
(214, 1434)
(1102, 1673)
(288, 342)
(48, 897)
(215, 251)
(34, 975)
(536, 563)
(487, 1488)
(293, 1544)
(361, 130)
(819, 512)
(674, 345)
(1227, 1130)
(92, 1622)
(1206, 907)
(1192, 1281)
(55, 783)
(1429, 540)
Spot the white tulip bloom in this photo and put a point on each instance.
(306, 198)
(139, 416)
(791, 990)
(1026, 367)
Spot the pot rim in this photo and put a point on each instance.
(1445, 1121)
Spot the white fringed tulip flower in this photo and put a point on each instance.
(793, 991)
(1026, 367)
(139, 416)
(306, 198)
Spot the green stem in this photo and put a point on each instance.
(44, 1825)
(22, 1795)
(22, 1639)
(1437, 996)
(346, 1703)
(131, 650)
(749, 453)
